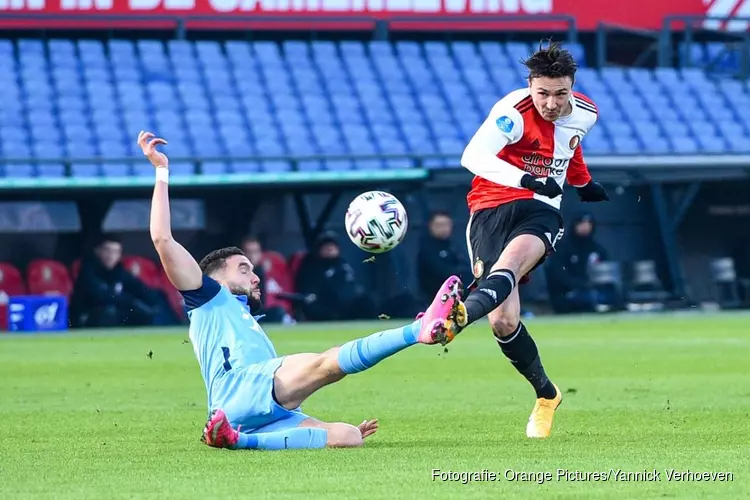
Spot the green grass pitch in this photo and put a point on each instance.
(90, 415)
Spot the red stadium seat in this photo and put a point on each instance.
(143, 269)
(11, 285)
(75, 268)
(278, 279)
(174, 297)
(48, 277)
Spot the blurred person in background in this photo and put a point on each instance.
(437, 258)
(105, 294)
(325, 274)
(568, 281)
(253, 250)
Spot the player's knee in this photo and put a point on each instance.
(342, 435)
(504, 324)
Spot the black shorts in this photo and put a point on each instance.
(490, 230)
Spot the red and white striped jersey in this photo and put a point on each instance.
(515, 140)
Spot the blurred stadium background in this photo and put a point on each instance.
(277, 114)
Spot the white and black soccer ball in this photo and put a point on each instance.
(376, 221)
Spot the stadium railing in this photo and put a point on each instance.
(259, 178)
(690, 25)
(603, 32)
(638, 168)
(380, 25)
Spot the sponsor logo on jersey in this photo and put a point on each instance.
(545, 166)
(505, 124)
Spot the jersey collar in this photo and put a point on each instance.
(243, 300)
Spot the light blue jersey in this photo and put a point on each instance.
(239, 367)
(226, 337)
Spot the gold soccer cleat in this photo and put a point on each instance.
(540, 421)
(456, 323)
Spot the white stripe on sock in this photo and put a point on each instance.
(505, 274)
(510, 339)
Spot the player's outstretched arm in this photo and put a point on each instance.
(181, 268)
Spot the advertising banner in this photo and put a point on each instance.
(362, 14)
(37, 314)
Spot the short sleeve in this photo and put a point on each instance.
(196, 298)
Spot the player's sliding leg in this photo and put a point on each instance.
(521, 350)
(219, 433)
(300, 375)
(518, 258)
(309, 434)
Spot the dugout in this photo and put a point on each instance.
(679, 212)
(57, 218)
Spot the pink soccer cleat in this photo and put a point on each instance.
(438, 321)
(218, 431)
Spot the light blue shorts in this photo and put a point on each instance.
(249, 401)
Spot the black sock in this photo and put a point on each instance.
(489, 294)
(521, 350)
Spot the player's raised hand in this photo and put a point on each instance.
(148, 142)
(368, 427)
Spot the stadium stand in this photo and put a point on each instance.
(143, 269)
(68, 99)
(279, 279)
(11, 284)
(48, 277)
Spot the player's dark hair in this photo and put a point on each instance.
(551, 62)
(217, 259)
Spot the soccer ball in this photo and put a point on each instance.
(376, 221)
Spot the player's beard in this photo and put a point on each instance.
(239, 290)
(252, 301)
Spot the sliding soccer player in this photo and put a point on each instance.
(254, 395)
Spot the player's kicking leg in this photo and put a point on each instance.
(301, 375)
(496, 296)
(518, 346)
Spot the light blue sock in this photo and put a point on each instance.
(290, 439)
(359, 355)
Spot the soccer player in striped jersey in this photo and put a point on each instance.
(521, 156)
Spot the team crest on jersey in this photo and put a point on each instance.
(574, 142)
(478, 269)
(505, 124)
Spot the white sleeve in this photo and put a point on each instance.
(503, 126)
